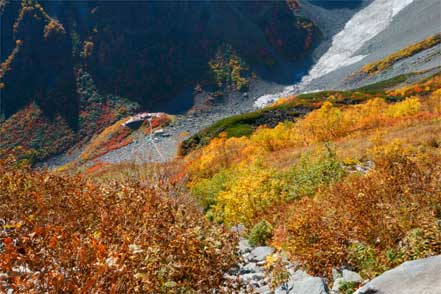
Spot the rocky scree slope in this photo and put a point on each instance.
(255, 274)
(418, 20)
(377, 30)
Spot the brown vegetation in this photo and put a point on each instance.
(67, 234)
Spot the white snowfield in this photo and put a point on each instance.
(362, 27)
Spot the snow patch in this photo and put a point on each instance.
(362, 27)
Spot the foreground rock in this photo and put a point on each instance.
(420, 276)
(344, 276)
(251, 275)
(302, 283)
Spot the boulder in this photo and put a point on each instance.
(344, 276)
(244, 246)
(251, 277)
(250, 268)
(263, 290)
(302, 283)
(421, 276)
(260, 253)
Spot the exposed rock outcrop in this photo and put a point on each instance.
(253, 275)
(342, 277)
(421, 276)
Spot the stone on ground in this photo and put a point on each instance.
(302, 283)
(421, 276)
(260, 253)
(344, 276)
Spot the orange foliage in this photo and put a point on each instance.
(95, 168)
(378, 210)
(66, 234)
(114, 137)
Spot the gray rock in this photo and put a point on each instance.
(421, 276)
(341, 277)
(351, 276)
(291, 267)
(248, 278)
(230, 277)
(263, 290)
(302, 283)
(244, 246)
(336, 274)
(238, 229)
(261, 263)
(250, 268)
(260, 253)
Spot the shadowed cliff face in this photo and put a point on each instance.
(152, 53)
(40, 66)
(336, 4)
(147, 51)
(154, 50)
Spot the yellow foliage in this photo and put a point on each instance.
(253, 191)
(220, 153)
(409, 106)
(434, 102)
(367, 115)
(274, 139)
(378, 66)
(323, 124)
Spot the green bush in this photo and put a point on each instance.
(205, 191)
(239, 130)
(348, 287)
(260, 233)
(366, 259)
(312, 171)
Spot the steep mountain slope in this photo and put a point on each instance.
(152, 53)
(317, 193)
(379, 29)
(365, 201)
(335, 187)
(212, 58)
(414, 23)
(327, 66)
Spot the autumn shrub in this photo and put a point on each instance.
(254, 189)
(206, 190)
(30, 131)
(235, 181)
(260, 233)
(314, 169)
(37, 133)
(366, 115)
(243, 194)
(111, 138)
(373, 221)
(66, 234)
(434, 102)
(239, 130)
(324, 124)
(409, 106)
(221, 153)
(273, 139)
(423, 88)
(229, 70)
